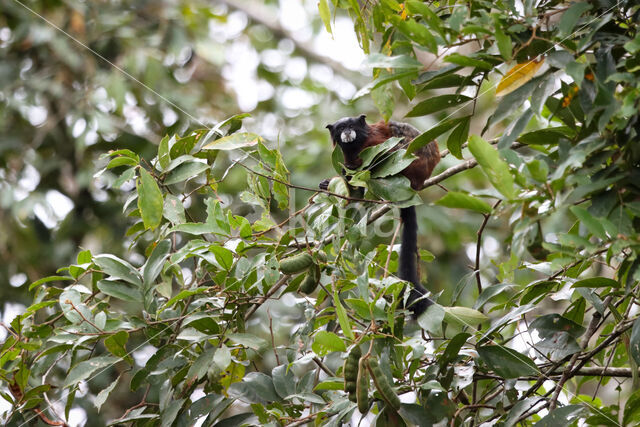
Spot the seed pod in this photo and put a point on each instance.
(311, 280)
(296, 264)
(350, 372)
(362, 390)
(382, 384)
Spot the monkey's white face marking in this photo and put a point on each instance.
(348, 135)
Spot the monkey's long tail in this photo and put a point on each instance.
(417, 303)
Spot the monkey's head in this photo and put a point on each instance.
(350, 133)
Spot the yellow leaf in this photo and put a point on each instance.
(518, 75)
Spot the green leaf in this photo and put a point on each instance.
(184, 172)
(503, 40)
(592, 224)
(463, 316)
(104, 394)
(234, 141)
(548, 136)
(395, 163)
(326, 342)
(570, 18)
(383, 99)
(563, 416)
(436, 104)
(284, 381)
(222, 358)
(493, 166)
(150, 200)
(632, 410)
(425, 138)
(395, 188)
(85, 369)
(164, 158)
(431, 320)
(118, 268)
(343, 319)
(185, 294)
(153, 266)
(223, 255)
(370, 153)
(119, 290)
(634, 341)
(117, 345)
(416, 32)
(255, 387)
(120, 161)
(466, 61)
(378, 60)
(454, 199)
(325, 14)
(458, 137)
(550, 324)
(47, 280)
(510, 102)
(506, 362)
(596, 282)
(248, 340)
(453, 348)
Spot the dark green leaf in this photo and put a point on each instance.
(378, 60)
(506, 362)
(493, 166)
(596, 282)
(326, 342)
(184, 172)
(255, 387)
(550, 324)
(436, 104)
(153, 266)
(425, 138)
(563, 416)
(466, 61)
(85, 369)
(395, 188)
(454, 199)
(117, 345)
(120, 290)
(118, 269)
(284, 381)
(458, 137)
(570, 18)
(634, 341)
(150, 200)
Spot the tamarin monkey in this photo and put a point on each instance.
(353, 135)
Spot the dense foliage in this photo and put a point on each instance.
(258, 309)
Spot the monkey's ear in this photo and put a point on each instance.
(362, 119)
(330, 127)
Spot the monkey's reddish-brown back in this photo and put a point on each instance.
(428, 156)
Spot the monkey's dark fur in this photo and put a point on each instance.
(353, 134)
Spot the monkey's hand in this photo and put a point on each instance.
(324, 184)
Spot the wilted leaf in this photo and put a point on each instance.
(518, 75)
